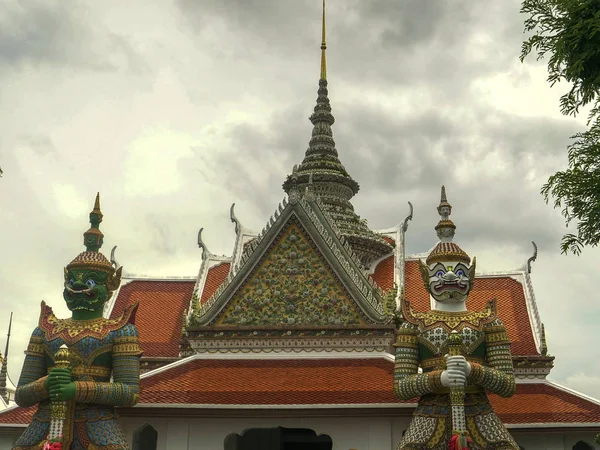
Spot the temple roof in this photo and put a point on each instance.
(159, 318)
(305, 381)
(160, 327)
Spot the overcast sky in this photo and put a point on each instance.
(173, 110)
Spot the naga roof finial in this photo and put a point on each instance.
(408, 218)
(323, 48)
(205, 251)
(533, 257)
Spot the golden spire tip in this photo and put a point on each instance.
(97, 202)
(323, 47)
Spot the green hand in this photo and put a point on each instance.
(56, 384)
(63, 392)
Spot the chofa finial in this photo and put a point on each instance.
(202, 245)
(533, 257)
(113, 261)
(234, 219)
(408, 218)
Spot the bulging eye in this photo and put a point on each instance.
(90, 283)
(460, 273)
(71, 282)
(440, 273)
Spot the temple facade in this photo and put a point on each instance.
(288, 340)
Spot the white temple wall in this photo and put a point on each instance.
(7, 441)
(369, 433)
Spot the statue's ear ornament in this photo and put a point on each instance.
(424, 273)
(472, 271)
(113, 281)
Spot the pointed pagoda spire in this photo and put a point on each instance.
(4, 369)
(330, 180)
(323, 48)
(445, 228)
(446, 250)
(93, 238)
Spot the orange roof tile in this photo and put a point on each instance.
(326, 382)
(276, 382)
(512, 306)
(544, 403)
(17, 415)
(337, 381)
(384, 273)
(159, 317)
(215, 277)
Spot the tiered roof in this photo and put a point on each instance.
(346, 383)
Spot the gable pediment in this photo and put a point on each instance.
(300, 273)
(293, 284)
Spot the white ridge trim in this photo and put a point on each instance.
(574, 392)
(553, 425)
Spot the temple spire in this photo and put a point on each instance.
(4, 370)
(322, 172)
(323, 48)
(93, 238)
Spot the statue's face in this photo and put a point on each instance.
(445, 211)
(448, 282)
(86, 289)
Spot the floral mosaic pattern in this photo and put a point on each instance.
(291, 286)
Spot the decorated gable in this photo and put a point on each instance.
(292, 285)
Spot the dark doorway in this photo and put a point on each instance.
(582, 446)
(278, 439)
(145, 438)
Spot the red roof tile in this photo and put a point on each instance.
(17, 415)
(384, 273)
(215, 277)
(512, 306)
(337, 381)
(544, 403)
(159, 317)
(329, 382)
(273, 382)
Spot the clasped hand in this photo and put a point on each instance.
(60, 385)
(457, 371)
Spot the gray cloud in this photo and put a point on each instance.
(60, 35)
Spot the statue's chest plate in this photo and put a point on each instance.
(85, 351)
(436, 339)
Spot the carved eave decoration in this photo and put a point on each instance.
(337, 253)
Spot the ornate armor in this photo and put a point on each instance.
(422, 342)
(76, 405)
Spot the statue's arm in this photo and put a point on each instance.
(408, 383)
(32, 388)
(124, 390)
(499, 376)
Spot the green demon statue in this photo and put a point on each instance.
(461, 354)
(77, 399)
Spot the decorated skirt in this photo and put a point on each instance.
(431, 427)
(96, 427)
